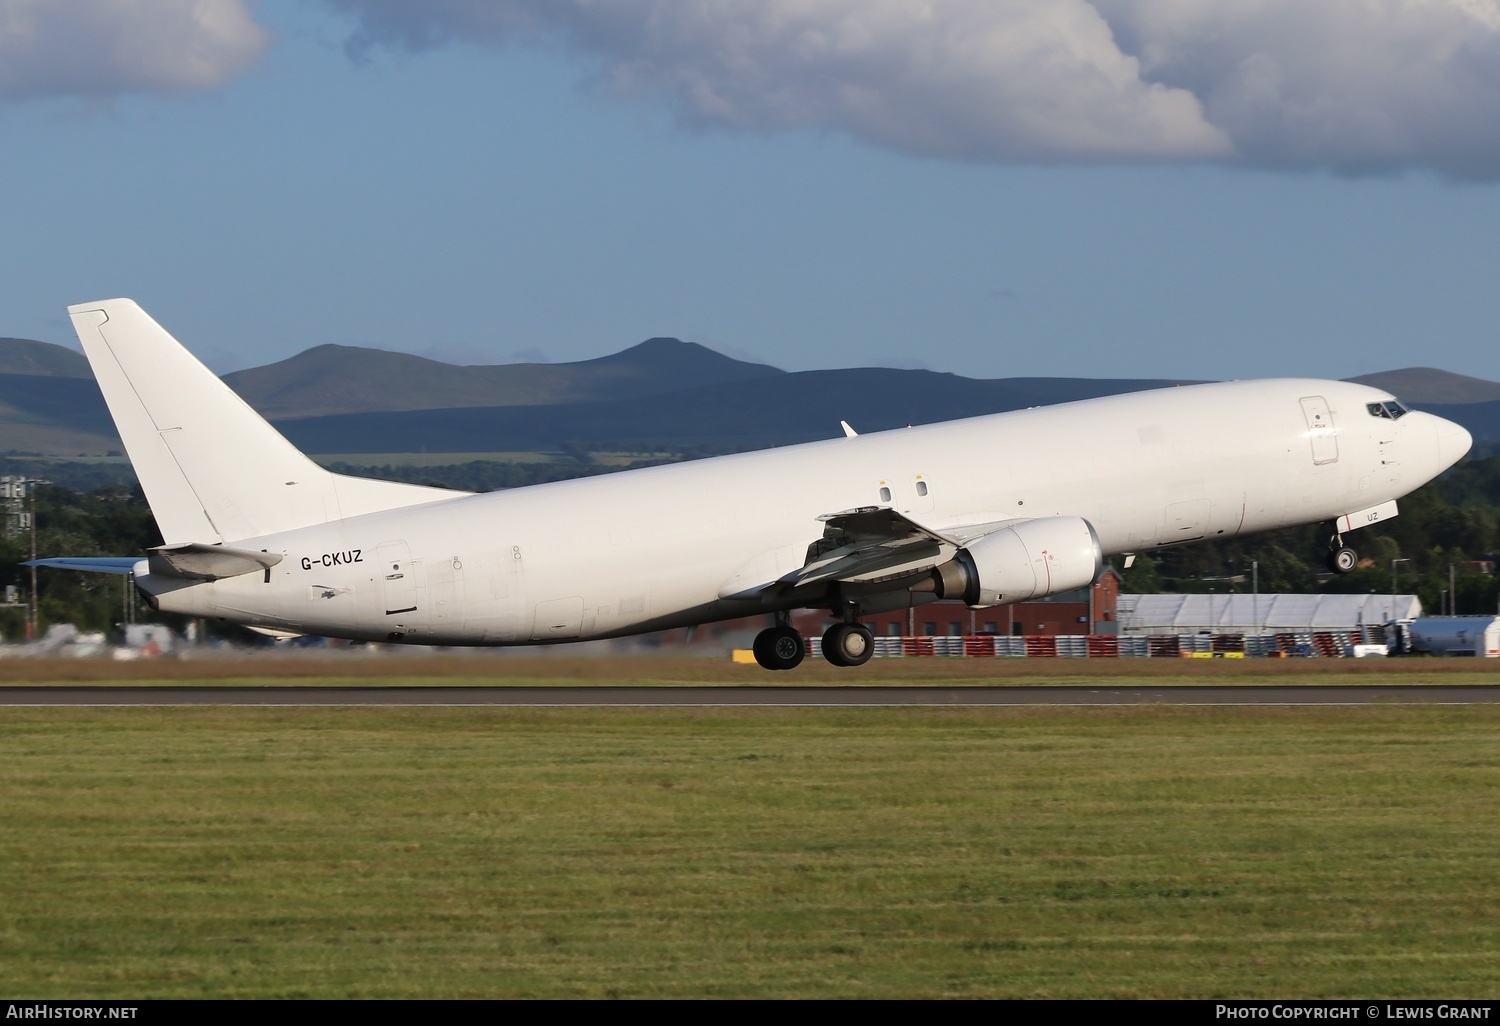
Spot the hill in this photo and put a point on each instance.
(345, 399)
(801, 407)
(1425, 385)
(49, 403)
(331, 380)
(29, 357)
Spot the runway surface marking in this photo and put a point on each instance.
(838, 696)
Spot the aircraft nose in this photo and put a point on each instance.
(1453, 441)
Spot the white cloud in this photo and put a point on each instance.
(971, 79)
(100, 48)
(1361, 86)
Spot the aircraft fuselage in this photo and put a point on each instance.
(674, 545)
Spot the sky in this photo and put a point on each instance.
(995, 188)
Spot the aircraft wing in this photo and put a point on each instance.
(867, 544)
(870, 544)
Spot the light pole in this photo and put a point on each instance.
(31, 619)
(1393, 584)
(1255, 598)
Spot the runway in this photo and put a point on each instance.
(768, 697)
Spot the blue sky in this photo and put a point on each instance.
(1208, 189)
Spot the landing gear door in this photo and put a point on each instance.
(1320, 430)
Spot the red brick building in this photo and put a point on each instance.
(1083, 611)
(1091, 610)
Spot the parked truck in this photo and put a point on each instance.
(1454, 635)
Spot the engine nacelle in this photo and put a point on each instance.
(1032, 559)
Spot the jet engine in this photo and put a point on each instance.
(1033, 558)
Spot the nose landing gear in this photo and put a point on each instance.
(1341, 558)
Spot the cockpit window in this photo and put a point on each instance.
(1390, 410)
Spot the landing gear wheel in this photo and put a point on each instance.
(1342, 560)
(778, 648)
(848, 644)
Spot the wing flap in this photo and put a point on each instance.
(864, 545)
(872, 560)
(869, 544)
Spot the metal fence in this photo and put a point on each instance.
(1285, 644)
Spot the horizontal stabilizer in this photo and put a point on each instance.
(201, 562)
(98, 564)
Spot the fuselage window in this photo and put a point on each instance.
(885, 494)
(921, 487)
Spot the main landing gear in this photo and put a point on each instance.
(844, 644)
(1341, 558)
(848, 644)
(779, 647)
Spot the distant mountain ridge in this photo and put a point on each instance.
(1426, 385)
(346, 399)
(798, 407)
(330, 380)
(28, 357)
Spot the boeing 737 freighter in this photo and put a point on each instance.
(990, 510)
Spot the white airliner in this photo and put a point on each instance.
(991, 510)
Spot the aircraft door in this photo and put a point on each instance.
(1320, 430)
(1185, 522)
(400, 581)
(558, 618)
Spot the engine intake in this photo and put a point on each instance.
(1032, 559)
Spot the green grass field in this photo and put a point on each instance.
(410, 666)
(1136, 852)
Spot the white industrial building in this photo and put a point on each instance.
(1261, 614)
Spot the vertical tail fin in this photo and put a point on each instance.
(212, 468)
